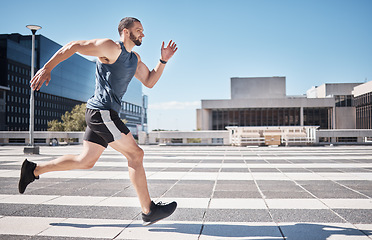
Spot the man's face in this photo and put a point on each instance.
(136, 33)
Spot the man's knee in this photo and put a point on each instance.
(139, 154)
(136, 156)
(85, 162)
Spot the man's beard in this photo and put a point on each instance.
(134, 39)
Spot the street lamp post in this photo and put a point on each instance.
(32, 149)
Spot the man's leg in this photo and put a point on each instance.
(85, 160)
(134, 154)
(151, 212)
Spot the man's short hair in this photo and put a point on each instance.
(127, 23)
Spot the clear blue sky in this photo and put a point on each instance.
(310, 42)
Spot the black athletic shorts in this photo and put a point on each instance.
(103, 126)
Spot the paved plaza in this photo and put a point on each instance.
(222, 193)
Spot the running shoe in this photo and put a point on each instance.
(158, 212)
(27, 175)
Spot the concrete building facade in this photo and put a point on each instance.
(263, 101)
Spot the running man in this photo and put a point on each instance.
(115, 68)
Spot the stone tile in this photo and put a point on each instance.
(324, 169)
(235, 182)
(244, 203)
(285, 185)
(30, 225)
(366, 192)
(176, 170)
(295, 204)
(287, 193)
(263, 170)
(127, 192)
(348, 203)
(330, 193)
(205, 170)
(196, 182)
(236, 230)
(237, 215)
(189, 161)
(235, 176)
(100, 212)
(233, 161)
(201, 175)
(234, 170)
(211, 161)
(74, 200)
(357, 185)
(190, 190)
(354, 170)
(304, 215)
(247, 186)
(236, 194)
(356, 215)
(28, 199)
(14, 237)
(8, 209)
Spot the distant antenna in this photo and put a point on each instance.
(365, 80)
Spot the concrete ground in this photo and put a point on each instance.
(222, 193)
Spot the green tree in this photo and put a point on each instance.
(55, 126)
(73, 121)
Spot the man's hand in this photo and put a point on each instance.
(168, 52)
(43, 75)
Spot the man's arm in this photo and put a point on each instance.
(149, 79)
(105, 49)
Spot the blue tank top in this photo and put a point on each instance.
(112, 81)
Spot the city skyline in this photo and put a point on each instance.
(310, 43)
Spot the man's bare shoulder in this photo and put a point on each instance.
(109, 49)
(138, 56)
(107, 43)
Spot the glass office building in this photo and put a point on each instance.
(72, 83)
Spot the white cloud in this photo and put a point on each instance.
(174, 105)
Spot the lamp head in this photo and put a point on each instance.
(33, 28)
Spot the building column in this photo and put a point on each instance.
(302, 116)
(334, 118)
(204, 119)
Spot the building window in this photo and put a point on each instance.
(344, 100)
(255, 117)
(317, 117)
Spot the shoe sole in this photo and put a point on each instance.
(150, 223)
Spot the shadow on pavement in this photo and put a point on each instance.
(301, 231)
